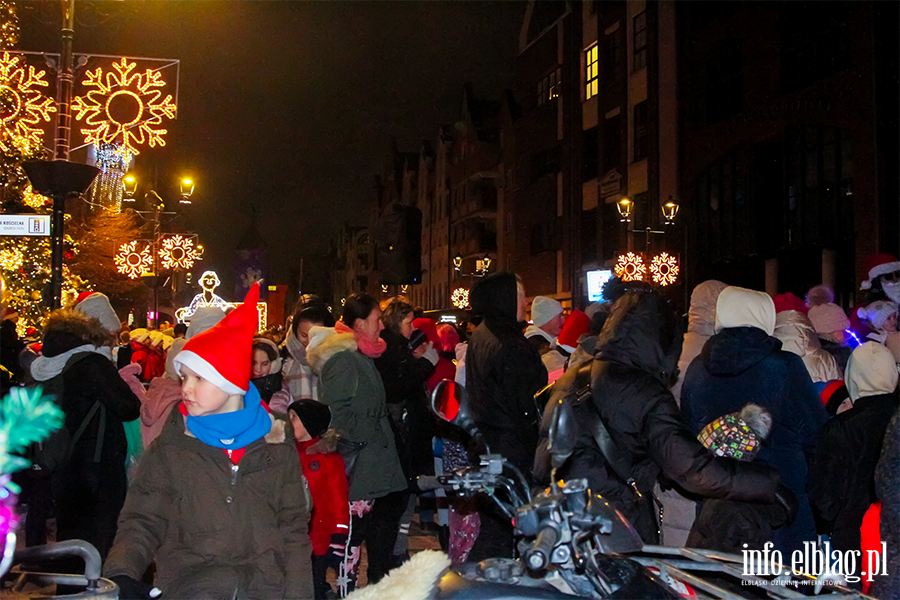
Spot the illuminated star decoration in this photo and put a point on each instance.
(124, 107)
(664, 269)
(133, 262)
(630, 267)
(22, 105)
(177, 252)
(460, 298)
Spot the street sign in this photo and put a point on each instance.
(25, 225)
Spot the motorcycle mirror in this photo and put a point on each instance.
(563, 431)
(450, 402)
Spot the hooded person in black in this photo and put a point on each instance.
(503, 372)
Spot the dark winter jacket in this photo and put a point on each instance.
(740, 365)
(351, 386)
(842, 477)
(217, 530)
(887, 486)
(404, 378)
(503, 372)
(639, 349)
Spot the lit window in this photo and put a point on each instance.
(549, 88)
(591, 72)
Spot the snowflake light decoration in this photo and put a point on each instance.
(460, 298)
(22, 105)
(124, 107)
(664, 269)
(133, 262)
(177, 252)
(630, 267)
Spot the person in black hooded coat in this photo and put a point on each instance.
(637, 356)
(503, 372)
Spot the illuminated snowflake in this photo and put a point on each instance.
(630, 267)
(460, 298)
(133, 262)
(664, 269)
(177, 252)
(124, 107)
(22, 105)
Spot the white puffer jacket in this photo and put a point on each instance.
(798, 336)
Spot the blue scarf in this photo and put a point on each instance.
(233, 430)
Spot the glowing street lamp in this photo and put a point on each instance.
(187, 190)
(670, 211)
(129, 186)
(625, 206)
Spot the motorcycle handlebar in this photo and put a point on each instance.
(538, 556)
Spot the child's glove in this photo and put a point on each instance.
(336, 550)
(129, 374)
(132, 589)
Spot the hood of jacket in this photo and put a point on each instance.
(740, 307)
(871, 371)
(495, 298)
(796, 333)
(734, 350)
(67, 329)
(325, 342)
(643, 332)
(702, 312)
(162, 395)
(173, 351)
(533, 330)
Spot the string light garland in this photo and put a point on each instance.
(460, 298)
(9, 25)
(107, 191)
(11, 259)
(23, 106)
(664, 269)
(132, 262)
(177, 252)
(630, 267)
(124, 107)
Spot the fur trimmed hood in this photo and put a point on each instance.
(67, 328)
(325, 342)
(326, 444)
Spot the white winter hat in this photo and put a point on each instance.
(871, 371)
(878, 312)
(205, 318)
(543, 309)
(97, 305)
(828, 318)
(740, 307)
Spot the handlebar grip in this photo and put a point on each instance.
(428, 482)
(538, 556)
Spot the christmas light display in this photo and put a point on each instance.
(107, 191)
(177, 252)
(209, 281)
(460, 298)
(9, 25)
(133, 262)
(124, 107)
(10, 259)
(630, 267)
(664, 269)
(23, 107)
(33, 199)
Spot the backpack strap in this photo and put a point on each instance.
(101, 428)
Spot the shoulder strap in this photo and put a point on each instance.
(101, 428)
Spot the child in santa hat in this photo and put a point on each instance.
(219, 500)
(324, 471)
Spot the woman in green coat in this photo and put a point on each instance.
(351, 386)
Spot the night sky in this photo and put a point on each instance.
(286, 108)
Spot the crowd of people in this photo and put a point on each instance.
(209, 459)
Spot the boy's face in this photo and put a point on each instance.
(200, 396)
(300, 432)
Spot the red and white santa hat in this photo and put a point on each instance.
(877, 265)
(223, 355)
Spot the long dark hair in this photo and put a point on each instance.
(314, 313)
(358, 306)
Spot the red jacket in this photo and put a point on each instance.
(324, 471)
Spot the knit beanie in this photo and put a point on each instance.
(315, 416)
(740, 307)
(878, 312)
(789, 301)
(203, 319)
(95, 304)
(576, 325)
(827, 318)
(223, 355)
(832, 394)
(543, 309)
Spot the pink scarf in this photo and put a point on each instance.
(365, 345)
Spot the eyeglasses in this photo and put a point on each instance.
(895, 276)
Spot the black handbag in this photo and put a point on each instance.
(349, 451)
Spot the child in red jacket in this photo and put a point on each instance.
(324, 471)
